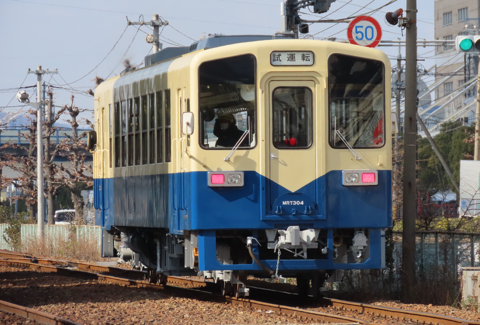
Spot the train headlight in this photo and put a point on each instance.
(234, 179)
(225, 179)
(351, 177)
(359, 177)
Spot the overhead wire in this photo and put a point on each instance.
(330, 13)
(346, 18)
(21, 85)
(365, 14)
(128, 48)
(102, 59)
(181, 33)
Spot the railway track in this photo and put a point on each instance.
(135, 278)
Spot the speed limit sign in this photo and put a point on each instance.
(364, 31)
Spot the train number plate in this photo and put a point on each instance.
(286, 58)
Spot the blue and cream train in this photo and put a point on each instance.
(302, 186)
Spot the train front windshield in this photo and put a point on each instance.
(227, 103)
(356, 102)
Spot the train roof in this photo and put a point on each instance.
(208, 43)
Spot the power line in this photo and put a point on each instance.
(18, 89)
(346, 18)
(128, 48)
(182, 33)
(73, 7)
(103, 58)
(370, 13)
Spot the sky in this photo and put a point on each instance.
(85, 39)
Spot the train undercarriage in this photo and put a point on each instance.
(242, 253)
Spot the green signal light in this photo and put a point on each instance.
(466, 44)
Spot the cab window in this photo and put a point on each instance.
(356, 90)
(227, 103)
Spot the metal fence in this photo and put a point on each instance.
(16, 135)
(449, 250)
(55, 234)
(439, 259)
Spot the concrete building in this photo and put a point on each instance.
(453, 18)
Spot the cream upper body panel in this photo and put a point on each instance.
(103, 103)
(180, 75)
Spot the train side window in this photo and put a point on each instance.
(130, 127)
(110, 132)
(118, 127)
(137, 129)
(144, 130)
(151, 128)
(292, 118)
(124, 132)
(168, 138)
(159, 127)
(227, 102)
(356, 95)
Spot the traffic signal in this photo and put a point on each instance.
(321, 6)
(468, 44)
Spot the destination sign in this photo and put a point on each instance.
(297, 58)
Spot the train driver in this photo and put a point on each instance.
(227, 132)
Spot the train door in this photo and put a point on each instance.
(100, 153)
(291, 191)
(180, 164)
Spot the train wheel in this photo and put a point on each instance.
(303, 285)
(152, 276)
(317, 281)
(236, 291)
(163, 279)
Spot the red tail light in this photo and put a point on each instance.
(217, 179)
(368, 178)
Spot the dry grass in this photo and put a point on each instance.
(68, 246)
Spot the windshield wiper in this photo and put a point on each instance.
(235, 147)
(340, 135)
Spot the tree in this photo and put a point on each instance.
(51, 151)
(24, 165)
(455, 143)
(74, 149)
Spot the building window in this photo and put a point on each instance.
(461, 83)
(447, 88)
(447, 18)
(447, 46)
(462, 15)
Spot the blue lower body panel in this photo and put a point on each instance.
(179, 202)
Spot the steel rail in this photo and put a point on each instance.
(284, 310)
(35, 315)
(401, 314)
(296, 312)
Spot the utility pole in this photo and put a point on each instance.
(39, 105)
(397, 110)
(410, 154)
(154, 39)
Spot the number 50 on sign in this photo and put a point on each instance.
(364, 31)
